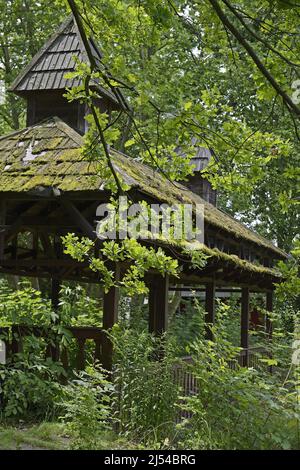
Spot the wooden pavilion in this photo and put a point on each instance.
(47, 190)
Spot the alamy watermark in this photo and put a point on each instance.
(296, 352)
(121, 220)
(2, 352)
(296, 93)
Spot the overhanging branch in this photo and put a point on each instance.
(236, 33)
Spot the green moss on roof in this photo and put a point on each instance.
(153, 184)
(49, 155)
(239, 263)
(188, 248)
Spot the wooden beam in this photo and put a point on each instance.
(227, 290)
(47, 245)
(110, 317)
(158, 304)
(87, 277)
(245, 324)
(223, 235)
(210, 294)
(18, 219)
(55, 290)
(94, 195)
(269, 308)
(2, 222)
(86, 228)
(51, 262)
(38, 221)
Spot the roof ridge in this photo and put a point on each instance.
(24, 129)
(60, 124)
(68, 130)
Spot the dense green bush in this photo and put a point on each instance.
(77, 308)
(30, 388)
(27, 306)
(145, 395)
(240, 408)
(187, 324)
(86, 407)
(24, 306)
(233, 407)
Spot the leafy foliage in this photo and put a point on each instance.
(24, 27)
(77, 307)
(145, 396)
(140, 257)
(24, 305)
(30, 387)
(187, 79)
(86, 408)
(233, 407)
(237, 408)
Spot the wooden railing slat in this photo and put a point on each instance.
(54, 349)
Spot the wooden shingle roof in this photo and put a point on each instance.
(48, 68)
(48, 156)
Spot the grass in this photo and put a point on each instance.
(51, 436)
(48, 436)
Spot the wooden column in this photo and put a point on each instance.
(2, 222)
(53, 349)
(55, 281)
(269, 308)
(245, 325)
(158, 304)
(80, 360)
(110, 317)
(55, 289)
(210, 307)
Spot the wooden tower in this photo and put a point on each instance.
(43, 83)
(196, 182)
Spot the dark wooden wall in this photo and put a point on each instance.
(202, 187)
(46, 104)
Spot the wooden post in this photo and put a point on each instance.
(110, 317)
(55, 281)
(158, 304)
(210, 294)
(17, 341)
(55, 288)
(2, 230)
(80, 360)
(245, 325)
(269, 326)
(269, 308)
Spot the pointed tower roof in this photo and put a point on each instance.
(47, 69)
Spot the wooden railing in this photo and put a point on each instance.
(188, 382)
(14, 336)
(250, 357)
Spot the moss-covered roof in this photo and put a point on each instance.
(48, 155)
(230, 260)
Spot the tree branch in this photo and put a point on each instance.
(256, 36)
(236, 33)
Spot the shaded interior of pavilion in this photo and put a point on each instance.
(218, 279)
